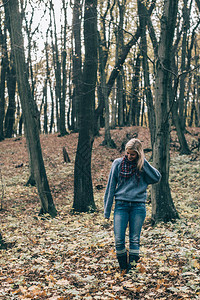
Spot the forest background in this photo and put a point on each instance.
(107, 72)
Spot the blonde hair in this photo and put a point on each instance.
(136, 145)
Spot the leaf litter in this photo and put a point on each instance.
(72, 256)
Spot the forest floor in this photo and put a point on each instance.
(72, 256)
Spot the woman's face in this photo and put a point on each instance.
(132, 155)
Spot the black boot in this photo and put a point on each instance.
(133, 259)
(122, 259)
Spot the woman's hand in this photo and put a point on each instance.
(106, 223)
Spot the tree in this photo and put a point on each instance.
(104, 38)
(116, 70)
(119, 51)
(29, 113)
(83, 191)
(103, 93)
(178, 116)
(196, 89)
(163, 208)
(119, 64)
(134, 110)
(48, 81)
(64, 74)
(145, 65)
(8, 79)
(11, 86)
(77, 64)
(183, 65)
(56, 62)
(2, 80)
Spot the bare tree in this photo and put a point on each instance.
(2, 79)
(103, 47)
(64, 73)
(163, 208)
(77, 65)
(83, 190)
(29, 113)
(145, 65)
(119, 52)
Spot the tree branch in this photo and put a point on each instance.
(121, 61)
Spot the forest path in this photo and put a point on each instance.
(72, 256)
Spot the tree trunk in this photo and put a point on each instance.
(28, 108)
(2, 99)
(45, 86)
(2, 82)
(31, 180)
(45, 130)
(21, 121)
(181, 102)
(77, 64)
(104, 38)
(83, 191)
(147, 85)
(100, 118)
(70, 119)
(103, 91)
(56, 63)
(184, 149)
(196, 86)
(11, 86)
(162, 204)
(113, 107)
(189, 92)
(134, 111)
(192, 113)
(10, 114)
(52, 108)
(119, 51)
(63, 130)
(142, 112)
(197, 115)
(119, 99)
(107, 140)
(48, 80)
(28, 29)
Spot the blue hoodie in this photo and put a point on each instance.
(129, 189)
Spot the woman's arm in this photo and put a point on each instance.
(110, 189)
(151, 174)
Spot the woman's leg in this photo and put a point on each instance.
(136, 220)
(121, 218)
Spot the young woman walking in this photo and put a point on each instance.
(128, 180)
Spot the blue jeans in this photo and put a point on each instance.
(128, 213)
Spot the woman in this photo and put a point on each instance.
(128, 181)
